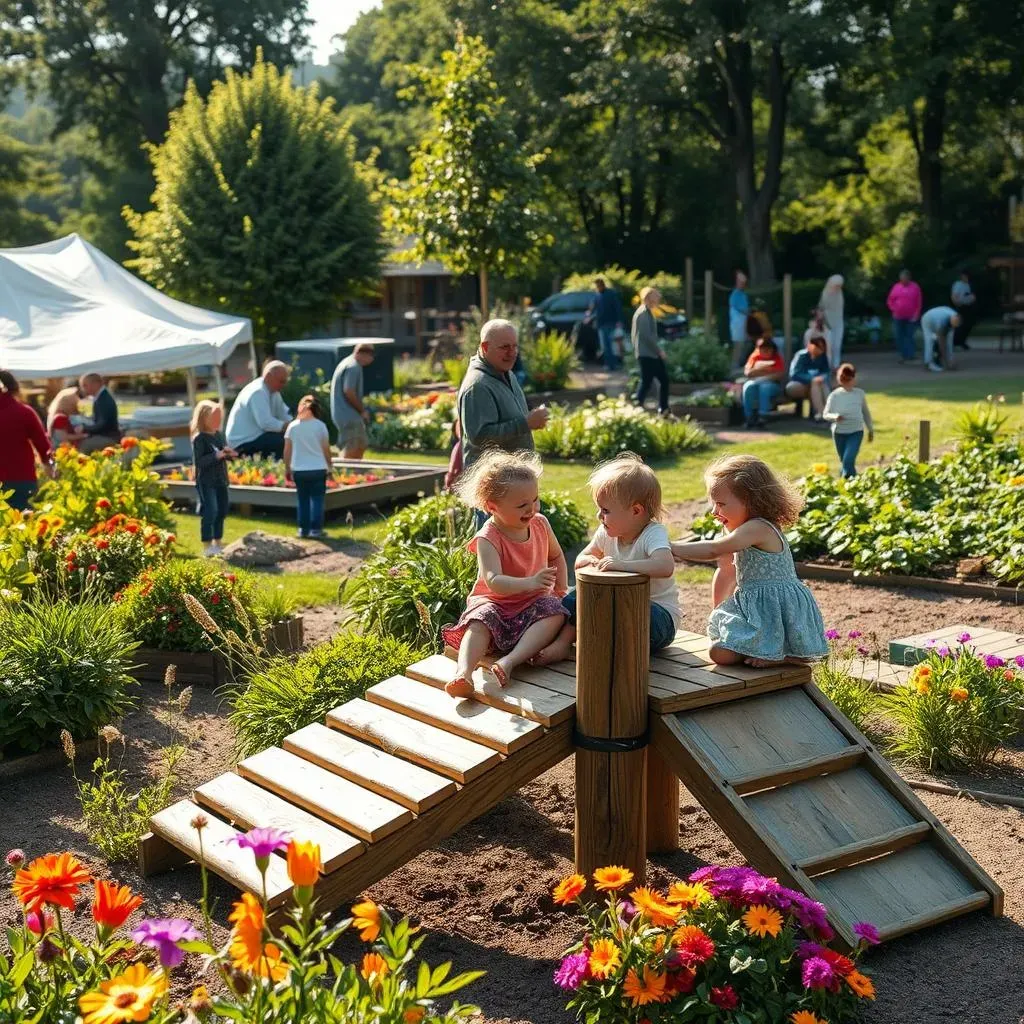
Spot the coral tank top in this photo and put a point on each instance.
(518, 558)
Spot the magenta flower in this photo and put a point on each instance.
(929, 644)
(862, 650)
(262, 841)
(942, 650)
(867, 933)
(811, 915)
(39, 923)
(964, 638)
(804, 950)
(627, 911)
(854, 634)
(572, 971)
(163, 935)
(1020, 660)
(817, 973)
(831, 634)
(993, 661)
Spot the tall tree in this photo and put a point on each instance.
(473, 199)
(259, 206)
(24, 173)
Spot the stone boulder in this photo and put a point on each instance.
(259, 548)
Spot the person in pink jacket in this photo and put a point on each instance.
(904, 303)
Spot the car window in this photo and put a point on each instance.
(570, 302)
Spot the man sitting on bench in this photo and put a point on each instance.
(809, 375)
(765, 372)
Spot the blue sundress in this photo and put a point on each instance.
(771, 615)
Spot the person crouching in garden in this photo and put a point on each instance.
(648, 352)
(847, 411)
(307, 462)
(515, 607)
(210, 453)
(809, 375)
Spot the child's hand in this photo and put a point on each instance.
(871, 435)
(612, 565)
(544, 579)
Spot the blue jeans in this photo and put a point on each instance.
(663, 630)
(310, 488)
(23, 491)
(848, 445)
(606, 332)
(213, 507)
(903, 332)
(758, 397)
(269, 443)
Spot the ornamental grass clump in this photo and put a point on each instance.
(959, 706)
(835, 676)
(728, 946)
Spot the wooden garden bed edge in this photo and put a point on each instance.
(43, 759)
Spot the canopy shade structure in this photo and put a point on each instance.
(67, 309)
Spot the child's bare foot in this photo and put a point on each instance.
(558, 650)
(762, 663)
(498, 673)
(459, 687)
(798, 661)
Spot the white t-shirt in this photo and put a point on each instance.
(307, 438)
(653, 537)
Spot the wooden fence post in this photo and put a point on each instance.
(612, 663)
(709, 303)
(924, 441)
(689, 289)
(787, 316)
(662, 806)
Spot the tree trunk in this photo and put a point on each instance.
(929, 161)
(757, 239)
(485, 305)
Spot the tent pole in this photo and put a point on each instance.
(190, 384)
(253, 360)
(218, 372)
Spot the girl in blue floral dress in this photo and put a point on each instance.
(763, 614)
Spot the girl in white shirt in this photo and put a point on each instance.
(847, 411)
(307, 461)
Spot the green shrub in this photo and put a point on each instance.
(152, 609)
(697, 361)
(413, 371)
(316, 383)
(410, 592)
(287, 695)
(274, 603)
(629, 283)
(63, 665)
(834, 677)
(571, 527)
(549, 359)
(983, 424)
(425, 426)
(455, 370)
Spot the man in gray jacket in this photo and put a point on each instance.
(492, 407)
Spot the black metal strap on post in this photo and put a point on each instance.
(611, 745)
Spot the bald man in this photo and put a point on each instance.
(258, 417)
(104, 429)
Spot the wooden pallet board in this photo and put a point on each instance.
(247, 805)
(328, 796)
(367, 766)
(426, 745)
(912, 649)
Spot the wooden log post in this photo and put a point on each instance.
(924, 441)
(709, 303)
(689, 289)
(787, 316)
(612, 664)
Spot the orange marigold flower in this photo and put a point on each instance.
(374, 967)
(688, 895)
(366, 918)
(568, 890)
(113, 904)
(414, 1015)
(924, 670)
(304, 865)
(861, 984)
(612, 877)
(693, 945)
(660, 913)
(761, 921)
(248, 952)
(126, 997)
(52, 879)
(649, 990)
(604, 958)
(805, 1017)
(923, 687)
(958, 694)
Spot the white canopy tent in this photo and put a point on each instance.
(67, 309)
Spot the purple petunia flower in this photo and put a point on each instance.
(758, 889)
(862, 651)
(831, 634)
(942, 650)
(807, 949)
(627, 911)
(811, 915)
(964, 638)
(929, 644)
(867, 933)
(817, 973)
(1020, 660)
(703, 874)
(163, 935)
(854, 634)
(262, 841)
(994, 661)
(572, 971)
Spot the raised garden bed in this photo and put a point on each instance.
(210, 668)
(50, 757)
(720, 415)
(398, 480)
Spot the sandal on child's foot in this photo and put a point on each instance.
(497, 673)
(459, 687)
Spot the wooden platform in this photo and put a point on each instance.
(913, 649)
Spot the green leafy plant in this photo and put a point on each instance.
(410, 371)
(455, 370)
(63, 665)
(983, 424)
(424, 424)
(836, 679)
(629, 283)
(274, 603)
(696, 361)
(549, 359)
(286, 695)
(28, 549)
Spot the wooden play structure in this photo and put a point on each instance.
(798, 789)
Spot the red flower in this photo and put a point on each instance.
(128, 443)
(171, 627)
(132, 527)
(102, 545)
(840, 964)
(724, 998)
(680, 982)
(94, 567)
(215, 599)
(109, 450)
(103, 503)
(170, 538)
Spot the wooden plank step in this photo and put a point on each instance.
(664, 702)
(249, 806)
(880, 674)
(325, 794)
(518, 698)
(407, 784)
(866, 849)
(231, 863)
(701, 676)
(479, 722)
(797, 771)
(454, 756)
(560, 677)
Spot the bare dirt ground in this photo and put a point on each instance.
(482, 896)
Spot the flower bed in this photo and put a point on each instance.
(709, 405)
(412, 422)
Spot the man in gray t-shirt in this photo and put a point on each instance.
(347, 409)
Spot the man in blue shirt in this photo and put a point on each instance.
(606, 311)
(809, 375)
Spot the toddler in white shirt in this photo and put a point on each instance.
(847, 410)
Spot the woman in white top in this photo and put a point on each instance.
(307, 461)
(847, 411)
(831, 304)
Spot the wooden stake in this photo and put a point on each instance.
(924, 441)
(787, 315)
(689, 288)
(662, 806)
(612, 662)
(709, 303)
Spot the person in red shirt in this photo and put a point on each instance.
(22, 431)
(764, 371)
(58, 420)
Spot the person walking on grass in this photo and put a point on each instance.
(347, 409)
(307, 462)
(938, 326)
(648, 352)
(905, 303)
(606, 312)
(847, 411)
(210, 453)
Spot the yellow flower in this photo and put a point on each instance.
(126, 997)
(248, 952)
(612, 877)
(958, 694)
(1016, 481)
(366, 917)
(650, 990)
(761, 921)
(374, 968)
(688, 895)
(923, 687)
(660, 913)
(861, 985)
(604, 958)
(820, 468)
(806, 1017)
(568, 889)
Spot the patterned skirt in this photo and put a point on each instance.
(505, 629)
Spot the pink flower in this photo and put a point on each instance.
(831, 634)
(993, 661)
(163, 935)
(724, 998)
(867, 933)
(854, 634)
(36, 924)
(963, 638)
(572, 971)
(817, 973)
(862, 651)
(942, 650)
(262, 841)
(1020, 660)
(15, 858)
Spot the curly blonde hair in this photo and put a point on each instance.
(764, 494)
(490, 477)
(626, 479)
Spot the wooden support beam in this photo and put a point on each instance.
(662, 805)
(854, 853)
(156, 855)
(612, 658)
(797, 771)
